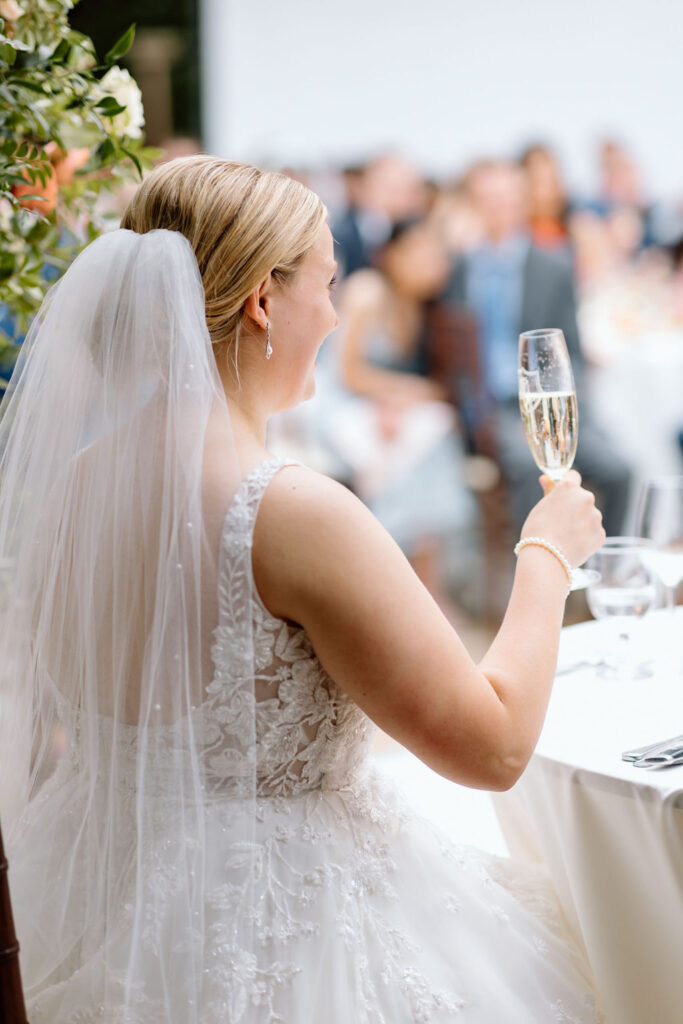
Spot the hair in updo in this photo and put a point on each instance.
(242, 223)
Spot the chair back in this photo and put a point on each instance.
(12, 1006)
(453, 358)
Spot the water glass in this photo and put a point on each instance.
(660, 518)
(625, 591)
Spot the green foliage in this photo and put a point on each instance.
(56, 97)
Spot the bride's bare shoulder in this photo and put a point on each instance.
(309, 527)
(300, 499)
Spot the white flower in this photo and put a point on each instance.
(6, 211)
(10, 10)
(118, 83)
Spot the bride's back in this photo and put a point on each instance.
(107, 581)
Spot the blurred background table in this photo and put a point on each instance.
(636, 397)
(612, 834)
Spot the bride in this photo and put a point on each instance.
(198, 641)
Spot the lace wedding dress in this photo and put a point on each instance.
(343, 908)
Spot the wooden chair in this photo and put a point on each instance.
(12, 1007)
(452, 357)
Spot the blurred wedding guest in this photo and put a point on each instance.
(622, 192)
(454, 218)
(508, 285)
(395, 185)
(620, 182)
(605, 247)
(594, 248)
(355, 230)
(392, 425)
(379, 193)
(625, 293)
(548, 202)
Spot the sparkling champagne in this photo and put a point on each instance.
(551, 424)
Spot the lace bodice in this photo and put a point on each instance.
(309, 734)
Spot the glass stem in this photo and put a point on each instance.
(624, 656)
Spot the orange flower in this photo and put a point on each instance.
(48, 191)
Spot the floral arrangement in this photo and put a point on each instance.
(71, 128)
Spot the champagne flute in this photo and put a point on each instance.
(660, 518)
(547, 400)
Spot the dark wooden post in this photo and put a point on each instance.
(12, 1007)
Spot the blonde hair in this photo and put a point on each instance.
(242, 223)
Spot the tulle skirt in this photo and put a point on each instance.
(360, 912)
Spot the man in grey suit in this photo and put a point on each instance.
(507, 285)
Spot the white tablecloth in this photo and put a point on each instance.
(612, 834)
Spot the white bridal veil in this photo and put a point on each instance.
(117, 467)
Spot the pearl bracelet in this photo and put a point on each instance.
(559, 554)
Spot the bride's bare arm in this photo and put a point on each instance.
(322, 560)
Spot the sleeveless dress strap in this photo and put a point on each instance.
(238, 528)
(236, 589)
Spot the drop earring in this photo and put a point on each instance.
(269, 347)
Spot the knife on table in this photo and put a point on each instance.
(638, 753)
(661, 759)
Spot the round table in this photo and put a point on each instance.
(611, 834)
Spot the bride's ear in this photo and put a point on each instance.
(256, 308)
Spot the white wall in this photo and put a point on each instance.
(445, 80)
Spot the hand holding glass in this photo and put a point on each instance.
(547, 400)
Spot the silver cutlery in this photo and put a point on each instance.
(662, 759)
(656, 755)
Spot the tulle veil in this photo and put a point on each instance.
(117, 467)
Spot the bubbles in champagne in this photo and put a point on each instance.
(551, 425)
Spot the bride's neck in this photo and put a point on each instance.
(248, 408)
(247, 422)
